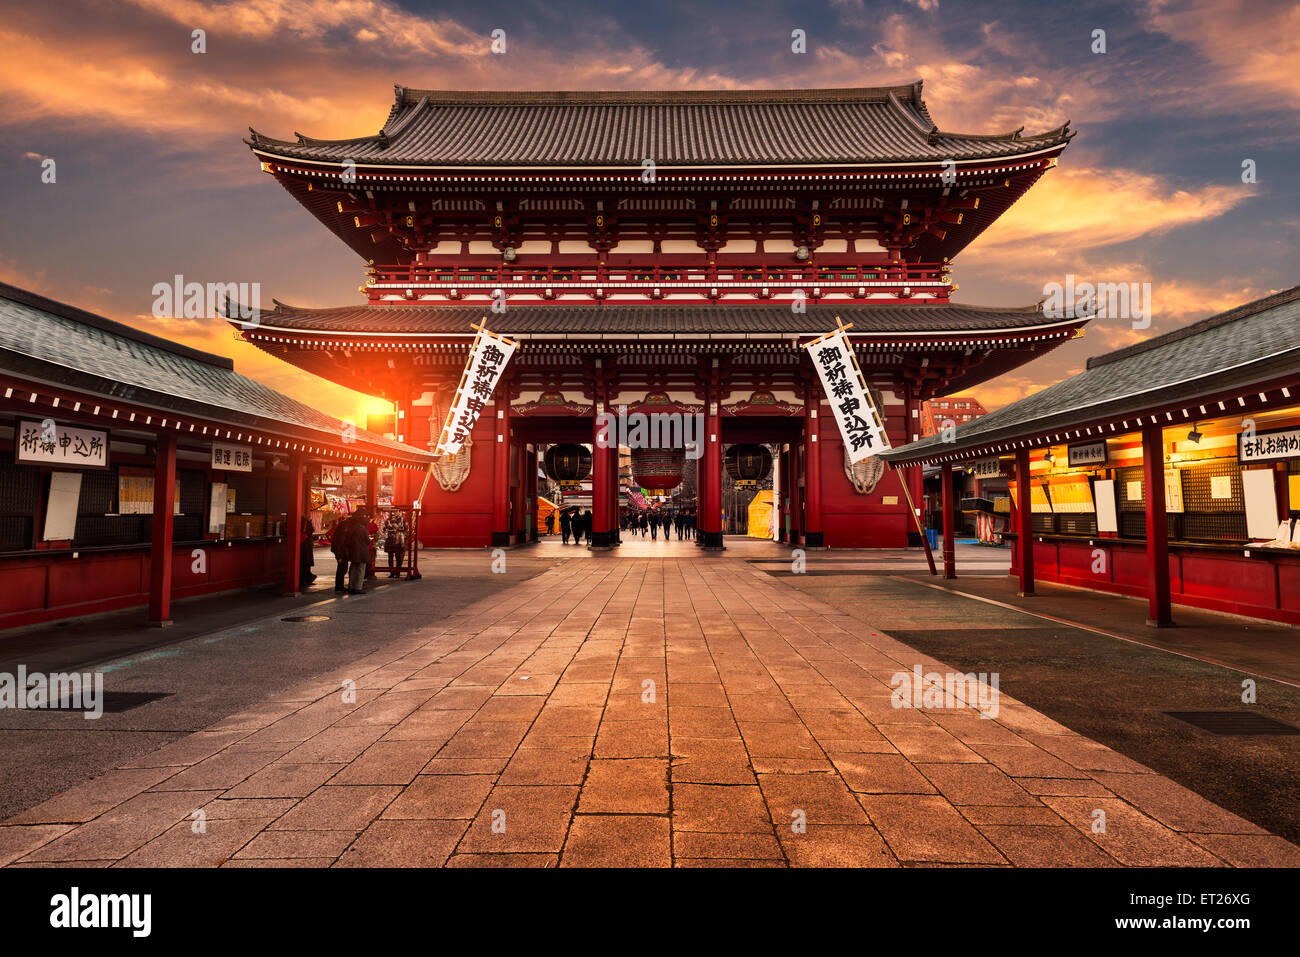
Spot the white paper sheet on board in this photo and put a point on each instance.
(1261, 503)
(1104, 492)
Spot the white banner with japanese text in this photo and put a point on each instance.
(487, 360)
(857, 416)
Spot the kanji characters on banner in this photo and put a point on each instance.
(487, 360)
(856, 414)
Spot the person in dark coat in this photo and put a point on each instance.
(550, 523)
(654, 526)
(356, 543)
(338, 546)
(586, 525)
(668, 525)
(306, 553)
(679, 522)
(566, 526)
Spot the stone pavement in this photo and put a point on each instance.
(641, 712)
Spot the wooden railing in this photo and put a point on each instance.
(709, 280)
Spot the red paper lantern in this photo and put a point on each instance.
(658, 470)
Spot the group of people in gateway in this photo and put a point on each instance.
(577, 523)
(354, 540)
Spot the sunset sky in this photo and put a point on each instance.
(153, 179)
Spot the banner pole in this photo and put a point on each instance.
(911, 507)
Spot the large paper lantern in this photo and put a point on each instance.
(568, 464)
(658, 470)
(748, 464)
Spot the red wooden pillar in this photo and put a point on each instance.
(531, 490)
(949, 507)
(160, 546)
(294, 512)
(1153, 477)
(813, 537)
(796, 495)
(710, 515)
(603, 447)
(501, 470)
(1025, 521)
(614, 536)
(372, 504)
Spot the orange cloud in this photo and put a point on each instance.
(1252, 47)
(1076, 209)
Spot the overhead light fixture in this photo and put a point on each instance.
(1194, 435)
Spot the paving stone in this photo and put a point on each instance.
(834, 845)
(720, 808)
(337, 808)
(387, 843)
(320, 847)
(625, 786)
(283, 779)
(976, 784)
(535, 819)
(1174, 805)
(1031, 845)
(927, 828)
(617, 840)
(388, 762)
(822, 799)
(881, 774)
(1131, 837)
(1249, 850)
(88, 801)
(125, 828)
(17, 840)
(182, 846)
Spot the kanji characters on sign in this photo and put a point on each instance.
(855, 413)
(487, 360)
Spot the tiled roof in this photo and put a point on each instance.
(46, 340)
(1255, 342)
(681, 128)
(616, 318)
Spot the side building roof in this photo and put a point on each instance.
(1251, 344)
(48, 341)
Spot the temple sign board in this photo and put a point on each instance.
(487, 360)
(841, 378)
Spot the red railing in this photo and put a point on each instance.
(710, 279)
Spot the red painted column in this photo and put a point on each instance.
(603, 448)
(294, 512)
(796, 495)
(710, 515)
(402, 490)
(1153, 477)
(813, 536)
(501, 469)
(160, 544)
(614, 535)
(1024, 514)
(372, 503)
(530, 463)
(949, 508)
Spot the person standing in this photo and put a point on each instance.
(356, 543)
(654, 526)
(550, 523)
(679, 521)
(566, 526)
(586, 525)
(338, 537)
(395, 542)
(306, 553)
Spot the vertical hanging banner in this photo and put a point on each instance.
(487, 360)
(857, 416)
